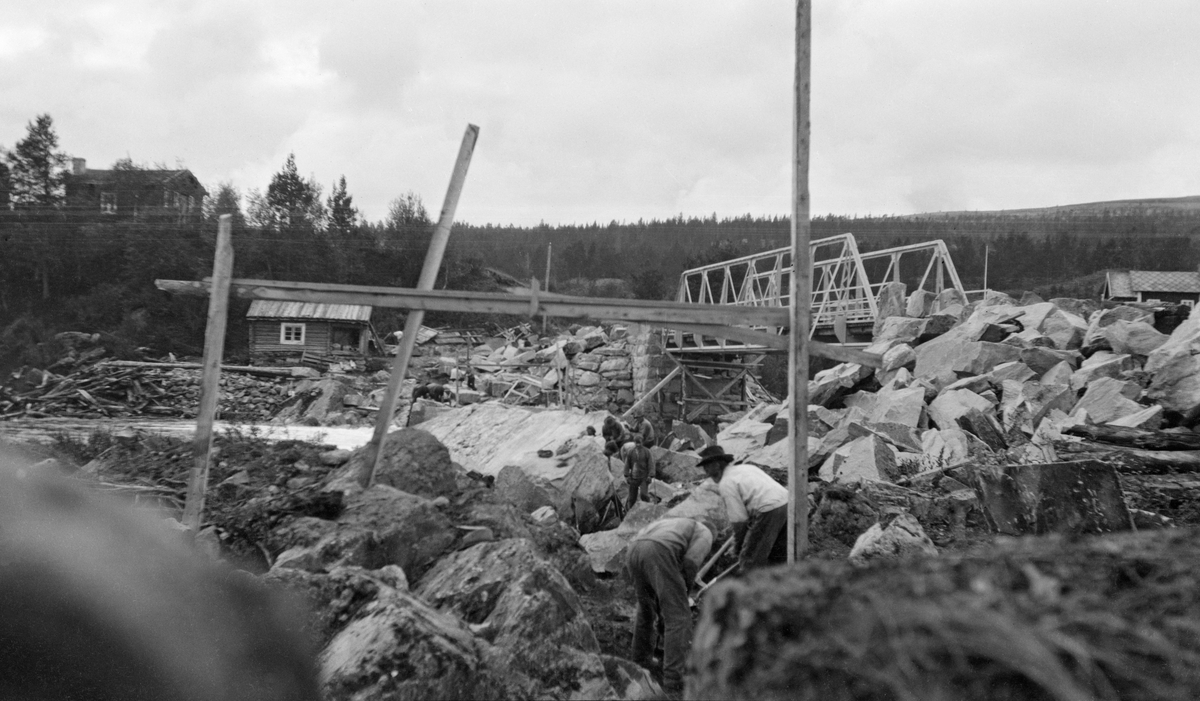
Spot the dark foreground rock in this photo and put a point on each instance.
(517, 601)
(1040, 618)
(413, 460)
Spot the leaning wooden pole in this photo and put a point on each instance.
(801, 292)
(214, 344)
(412, 325)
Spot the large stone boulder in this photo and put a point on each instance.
(1040, 359)
(903, 329)
(743, 436)
(1107, 399)
(980, 357)
(519, 489)
(676, 467)
(1066, 331)
(950, 406)
(829, 384)
(488, 437)
(892, 301)
(1175, 370)
(949, 297)
(334, 598)
(412, 460)
(1069, 497)
(398, 647)
(901, 406)
(902, 538)
(380, 526)
(865, 458)
(920, 302)
(1101, 364)
(1094, 339)
(1133, 337)
(518, 602)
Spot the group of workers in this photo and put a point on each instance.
(664, 557)
(632, 445)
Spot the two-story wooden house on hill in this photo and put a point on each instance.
(133, 193)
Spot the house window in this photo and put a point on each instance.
(108, 202)
(1189, 303)
(291, 334)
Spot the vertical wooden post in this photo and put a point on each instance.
(214, 344)
(801, 292)
(549, 247)
(412, 325)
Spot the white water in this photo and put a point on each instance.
(44, 430)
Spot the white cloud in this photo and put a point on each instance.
(626, 110)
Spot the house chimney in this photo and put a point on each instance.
(78, 166)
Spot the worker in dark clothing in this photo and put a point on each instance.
(613, 430)
(663, 559)
(645, 430)
(638, 471)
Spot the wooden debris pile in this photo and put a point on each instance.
(105, 390)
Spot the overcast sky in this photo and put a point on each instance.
(605, 110)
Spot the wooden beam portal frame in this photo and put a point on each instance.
(719, 320)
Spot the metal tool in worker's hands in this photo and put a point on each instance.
(694, 600)
(699, 581)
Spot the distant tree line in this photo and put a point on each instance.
(60, 269)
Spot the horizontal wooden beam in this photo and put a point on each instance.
(632, 310)
(715, 320)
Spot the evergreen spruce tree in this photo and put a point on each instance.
(37, 167)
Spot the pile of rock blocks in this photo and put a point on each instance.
(994, 382)
(592, 365)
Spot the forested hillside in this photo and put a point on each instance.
(66, 267)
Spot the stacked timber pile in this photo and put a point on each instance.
(114, 390)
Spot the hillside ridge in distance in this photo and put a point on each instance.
(1189, 203)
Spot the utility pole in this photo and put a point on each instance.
(549, 246)
(801, 291)
(986, 251)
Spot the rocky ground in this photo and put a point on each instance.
(487, 560)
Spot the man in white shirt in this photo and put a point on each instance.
(755, 504)
(663, 559)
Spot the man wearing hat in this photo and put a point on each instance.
(756, 506)
(663, 559)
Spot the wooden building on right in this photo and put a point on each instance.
(1153, 286)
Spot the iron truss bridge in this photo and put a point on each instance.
(845, 288)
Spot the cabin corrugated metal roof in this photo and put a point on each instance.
(271, 309)
(1187, 281)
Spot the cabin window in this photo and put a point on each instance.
(108, 202)
(291, 334)
(1189, 303)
